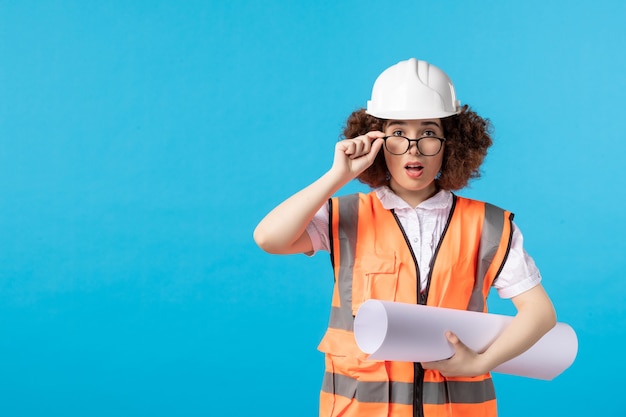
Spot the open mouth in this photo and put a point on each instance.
(414, 170)
(414, 167)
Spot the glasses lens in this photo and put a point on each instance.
(397, 145)
(429, 146)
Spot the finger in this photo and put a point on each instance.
(375, 134)
(453, 338)
(347, 147)
(362, 146)
(369, 137)
(359, 148)
(376, 145)
(436, 365)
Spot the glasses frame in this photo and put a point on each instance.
(417, 143)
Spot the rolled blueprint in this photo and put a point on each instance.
(416, 333)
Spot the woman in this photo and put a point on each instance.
(411, 240)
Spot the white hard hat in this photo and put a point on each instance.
(412, 90)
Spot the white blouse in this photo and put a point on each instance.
(424, 226)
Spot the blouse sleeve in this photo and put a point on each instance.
(317, 230)
(519, 273)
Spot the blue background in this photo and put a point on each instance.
(142, 141)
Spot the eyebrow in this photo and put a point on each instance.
(424, 123)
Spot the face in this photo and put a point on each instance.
(413, 174)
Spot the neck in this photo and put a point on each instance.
(414, 197)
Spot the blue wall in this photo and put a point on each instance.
(141, 142)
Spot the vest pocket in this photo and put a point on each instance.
(354, 387)
(376, 278)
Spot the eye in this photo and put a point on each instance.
(429, 133)
(397, 133)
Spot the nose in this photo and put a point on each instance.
(413, 150)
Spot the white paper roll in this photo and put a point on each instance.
(415, 333)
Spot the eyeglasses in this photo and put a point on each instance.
(426, 145)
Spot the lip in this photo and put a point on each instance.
(414, 164)
(414, 169)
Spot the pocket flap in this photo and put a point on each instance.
(341, 343)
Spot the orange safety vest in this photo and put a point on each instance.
(372, 259)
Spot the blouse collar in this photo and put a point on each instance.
(390, 200)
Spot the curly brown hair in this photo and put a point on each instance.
(468, 136)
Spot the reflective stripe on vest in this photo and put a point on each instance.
(402, 392)
(493, 227)
(341, 316)
(474, 245)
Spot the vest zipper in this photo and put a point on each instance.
(418, 371)
(422, 298)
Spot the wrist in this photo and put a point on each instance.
(339, 177)
(485, 363)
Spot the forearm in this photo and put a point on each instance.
(535, 317)
(282, 230)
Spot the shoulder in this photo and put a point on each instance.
(464, 202)
(352, 206)
(353, 198)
